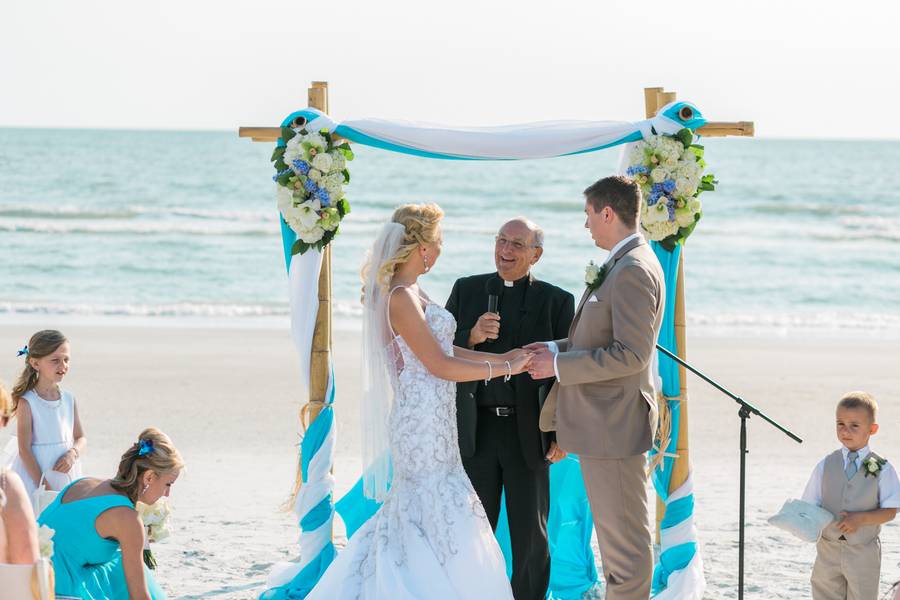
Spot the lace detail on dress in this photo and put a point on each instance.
(430, 491)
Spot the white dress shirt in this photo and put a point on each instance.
(888, 483)
(553, 347)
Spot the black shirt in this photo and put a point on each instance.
(511, 307)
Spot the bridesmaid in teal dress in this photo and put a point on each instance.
(99, 539)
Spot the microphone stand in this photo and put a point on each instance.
(746, 409)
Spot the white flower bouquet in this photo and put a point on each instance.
(155, 518)
(669, 170)
(311, 172)
(45, 541)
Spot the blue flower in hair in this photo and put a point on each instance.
(146, 447)
(24, 351)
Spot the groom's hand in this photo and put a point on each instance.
(541, 366)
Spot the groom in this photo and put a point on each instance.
(603, 406)
(501, 444)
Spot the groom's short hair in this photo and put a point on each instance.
(619, 193)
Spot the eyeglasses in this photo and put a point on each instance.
(515, 244)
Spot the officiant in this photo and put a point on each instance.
(501, 444)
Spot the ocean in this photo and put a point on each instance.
(153, 226)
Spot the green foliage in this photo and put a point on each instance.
(346, 151)
(685, 137)
(278, 153)
(287, 133)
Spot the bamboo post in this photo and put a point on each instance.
(319, 370)
(321, 346)
(654, 99)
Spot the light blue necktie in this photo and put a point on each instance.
(851, 469)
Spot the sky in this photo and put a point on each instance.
(795, 68)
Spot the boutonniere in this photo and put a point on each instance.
(873, 464)
(594, 275)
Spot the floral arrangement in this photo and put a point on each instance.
(873, 465)
(45, 541)
(669, 170)
(311, 172)
(594, 275)
(156, 521)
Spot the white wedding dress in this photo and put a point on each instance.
(431, 538)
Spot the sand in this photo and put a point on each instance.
(227, 397)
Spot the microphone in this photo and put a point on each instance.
(494, 289)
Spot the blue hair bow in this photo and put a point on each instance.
(24, 351)
(146, 447)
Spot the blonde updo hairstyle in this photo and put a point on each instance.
(164, 458)
(420, 222)
(43, 343)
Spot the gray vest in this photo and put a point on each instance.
(857, 495)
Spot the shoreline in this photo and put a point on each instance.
(700, 327)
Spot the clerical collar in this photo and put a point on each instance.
(518, 282)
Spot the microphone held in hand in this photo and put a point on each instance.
(494, 288)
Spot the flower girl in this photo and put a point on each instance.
(51, 438)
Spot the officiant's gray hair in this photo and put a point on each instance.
(534, 228)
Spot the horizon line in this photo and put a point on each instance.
(235, 129)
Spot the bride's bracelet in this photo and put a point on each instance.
(490, 372)
(508, 375)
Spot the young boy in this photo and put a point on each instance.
(862, 490)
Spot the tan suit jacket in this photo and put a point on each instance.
(604, 403)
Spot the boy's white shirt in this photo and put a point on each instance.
(888, 483)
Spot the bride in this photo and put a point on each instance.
(430, 538)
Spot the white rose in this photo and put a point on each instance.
(688, 156)
(591, 272)
(658, 175)
(312, 235)
(285, 198)
(333, 185)
(694, 205)
(315, 139)
(684, 217)
(684, 187)
(315, 175)
(292, 153)
(872, 466)
(322, 162)
(338, 162)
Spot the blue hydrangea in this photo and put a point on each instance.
(311, 186)
(671, 211)
(655, 195)
(323, 197)
(279, 174)
(301, 165)
(637, 170)
(668, 186)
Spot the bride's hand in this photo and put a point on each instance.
(519, 364)
(512, 354)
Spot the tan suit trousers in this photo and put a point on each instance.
(617, 491)
(846, 572)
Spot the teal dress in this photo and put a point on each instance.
(88, 566)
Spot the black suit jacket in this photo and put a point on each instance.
(548, 312)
